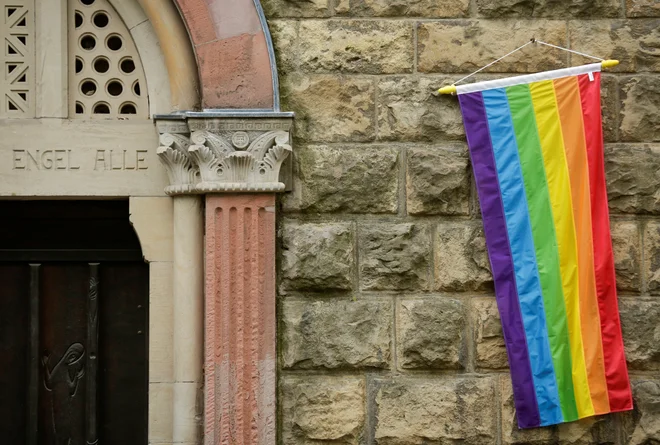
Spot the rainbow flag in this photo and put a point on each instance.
(536, 146)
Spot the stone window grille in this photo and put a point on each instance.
(106, 79)
(17, 80)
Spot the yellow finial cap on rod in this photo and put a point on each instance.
(609, 63)
(449, 89)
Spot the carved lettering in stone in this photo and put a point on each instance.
(120, 160)
(70, 160)
(43, 160)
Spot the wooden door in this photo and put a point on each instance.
(73, 326)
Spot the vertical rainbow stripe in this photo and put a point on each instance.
(537, 155)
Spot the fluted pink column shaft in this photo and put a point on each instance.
(240, 320)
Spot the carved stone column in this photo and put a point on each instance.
(236, 161)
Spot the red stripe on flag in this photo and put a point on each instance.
(616, 371)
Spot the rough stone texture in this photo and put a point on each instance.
(437, 181)
(322, 410)
(384, 207)
(634, 43)
(633, 175)
(331, 108)
(295, 8)
(454, 46)
(352, 180)
(652, 256)
(336, 334)
(490, 351)
(609, 95)
(317, 256)
(627, 249)
(642, 426)
(394, 256)
(285, 35)
(411, 110)
(431, 334)
(543, 8)
(356, 46)
(511, 434)
(640, 105)
(461, 260)
(642, 8)
(641, 332)
(599, 430)
(452, 410)
(413, 8)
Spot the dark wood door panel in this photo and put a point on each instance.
(123, 371)
(63, 347)
(73, 325)
(13, 352)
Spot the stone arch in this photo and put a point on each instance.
(234, 53)
(164, 47)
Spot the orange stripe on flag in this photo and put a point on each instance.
(570, 115)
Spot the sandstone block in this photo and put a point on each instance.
(591, 430)
(461, 260)
(455, 46)
(642, 8)
(641, 332)
(394, 256)
(331, 108)
(443, 410)
(411, 110)
(431, 334)
(511, 434)
(317, 256)
(489, 342)
(632, 42)
(351, 179)
(640, 109)
(356, 46)
(413, 8)
(322, 410)
(642, 426)
(336, 334)
(627, 250)
(609, 95)
(296, 8)
(652, 256)
(633, 175)
(437, 181)
(285, 35)
(543, 8)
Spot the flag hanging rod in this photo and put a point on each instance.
(527, 78)
(454, 88)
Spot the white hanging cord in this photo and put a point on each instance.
(569, 50)
(493, 62)
(518, 49)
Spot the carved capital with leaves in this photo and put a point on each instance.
(233, 154)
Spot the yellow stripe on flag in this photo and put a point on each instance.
(559, 187)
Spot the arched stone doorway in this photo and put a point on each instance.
(79, 125)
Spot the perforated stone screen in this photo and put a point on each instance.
(17, 80)
(106, 79)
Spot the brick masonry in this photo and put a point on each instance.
(388, 328)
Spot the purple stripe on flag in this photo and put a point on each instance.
(501, 260)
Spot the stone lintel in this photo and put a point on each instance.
(225, 152)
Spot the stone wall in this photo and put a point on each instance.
(388, 328)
